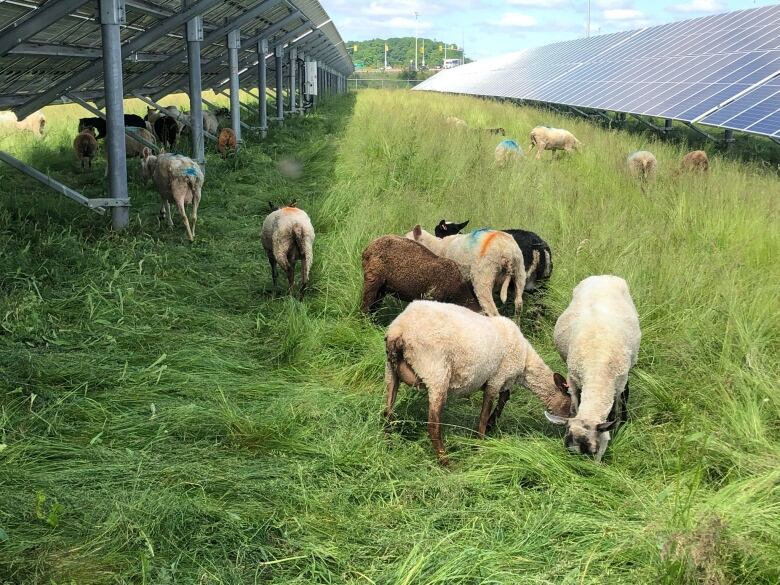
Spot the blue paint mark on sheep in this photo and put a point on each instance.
(191, 171)
(510, 144)
(476, 236)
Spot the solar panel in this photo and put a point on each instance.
(683, 70)
(757, 111)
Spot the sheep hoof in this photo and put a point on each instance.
(443, 460)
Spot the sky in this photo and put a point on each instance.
(494, 27)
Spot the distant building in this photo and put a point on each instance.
(450, 63)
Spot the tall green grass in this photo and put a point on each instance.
(165, 420)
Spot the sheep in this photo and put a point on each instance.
(447, 349)
(506, 151)
(409, 271)
(152, 114)
(695, 161)
(642, 164)
(482, 256)
(85, 145)
(537, 256)
(546, 138)
(456, 122)
(288, 236)
(167, 130)
(178, 179)
(226, 142)
(497, 131)
(99, 124)
(210, 122)
(35, 122)
(134, 148)
(598, 336)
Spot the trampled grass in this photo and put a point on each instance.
(165, 420)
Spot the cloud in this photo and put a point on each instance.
(701, 6)
(407, 23)
(540, 3)
(516, 20)
(623, 14)
(614, 4)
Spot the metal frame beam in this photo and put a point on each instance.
(35, 21)
(68, 52)
(133, 45)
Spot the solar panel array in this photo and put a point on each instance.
(42, 65)
(720, 70)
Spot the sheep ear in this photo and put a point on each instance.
(462, 225)
(555, 419)
(272, 206)
(146, 152)
(560, 383)
(417, 232)
(442, 224)
(606, 426)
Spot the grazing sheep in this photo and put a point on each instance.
(598, 335)
(134, 148)
(226, 142)
(396, 266)
(35, 122)
(546, 138)
(210, 122)
(179, 180)
(695, 161)
(447, 349)
(496, 131)
(99, 124)
(482, 256)
(167, 130)
(456, 122)
(288, 236)
(85, 145)
(506, 151)
(642, 164)
(537, 257)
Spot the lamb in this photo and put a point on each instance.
(85, 145)
(179, 180)
(134, 148)
(288, 236)
(598, 336)
(695, 161)
(447, 349)
(409, 271)
(482, 257)
(167, 130)
(456, 122)
(35, 122)
(546, 138)
(99, 124)
(506, 151)
(642, 164)
(226, 142)
(537, 256)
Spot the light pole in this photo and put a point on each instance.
(416, 14)
(588, 36)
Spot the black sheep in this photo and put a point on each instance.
(99, 124)
(534, 249)
(167, 130)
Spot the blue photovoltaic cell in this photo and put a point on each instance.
(683, 70)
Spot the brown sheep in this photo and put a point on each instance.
(403, 268)
(85, 146)
(695, 161)
(226, 142)
(134, 148)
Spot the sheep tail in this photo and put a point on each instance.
(304, 244)
(394, 346)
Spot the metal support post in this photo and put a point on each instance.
(194, 31)
(262, 85)
(667, 127)
(728, 137)
(233, 43)
(293, 67)
(112, 15)
(279, 84)
(301, 75)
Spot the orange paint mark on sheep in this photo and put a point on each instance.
(290, 210)
(487, 241)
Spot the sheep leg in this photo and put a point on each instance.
(503, 397)
(195, 203)
(180, 206)
(304, 280)
(290, 270)
(371, 294)
(392, 382)
(168, 214)
(436, 402)
(484, 294)
(487, 405)
(272, 261)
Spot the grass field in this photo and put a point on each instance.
(165, 420)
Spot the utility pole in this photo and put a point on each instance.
(385, 55)
(588, 35)
(416, 14)
(462, 47)
(423, 53)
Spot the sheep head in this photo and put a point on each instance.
(148, 164)
(448, 228)
(584, 437)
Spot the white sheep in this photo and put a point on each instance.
(35, 122)
(598, 336)
(483, 256)
(210, 122)
(545, 138)
(178, 179)
(641, 164)
(447, 349)
(133, 148)
(288, 236)
(506, 151)
(456, 122)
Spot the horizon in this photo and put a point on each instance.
(490, 28)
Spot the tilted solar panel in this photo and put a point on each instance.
(757, 111)
(683, 70)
